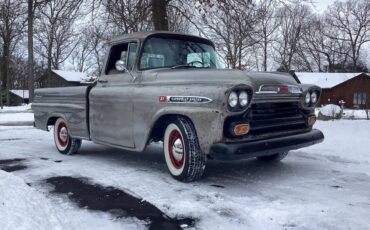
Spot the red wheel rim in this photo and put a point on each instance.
(62, 134)
(176, 149)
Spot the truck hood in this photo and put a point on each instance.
(225, 77)
(265, 78)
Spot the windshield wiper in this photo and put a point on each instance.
(183, 66)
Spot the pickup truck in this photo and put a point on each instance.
(169, 87)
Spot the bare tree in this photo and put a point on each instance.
(292, 18)
(129, 16)
(267, 27)
(32, 6)
(55, 33)
(11, 27)
(231, 25)
(352, 20)
(159, 14)
(88, 55)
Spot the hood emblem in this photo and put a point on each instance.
(184, 99)
(279, 89)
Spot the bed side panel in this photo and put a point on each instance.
(68, 103)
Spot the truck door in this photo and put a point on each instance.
(111, 107)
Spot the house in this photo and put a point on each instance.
(18, 97)
(61, 78)
(351, 88)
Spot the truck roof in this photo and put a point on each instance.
(144, 34)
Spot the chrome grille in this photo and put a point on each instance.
(273, 117)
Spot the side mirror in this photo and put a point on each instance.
(121, 66)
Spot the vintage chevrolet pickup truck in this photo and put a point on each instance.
(163, 86)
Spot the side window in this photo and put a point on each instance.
(359, 98)
(125, 52)
(132, 50)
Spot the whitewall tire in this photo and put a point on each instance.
(184, 158)
(63, 140)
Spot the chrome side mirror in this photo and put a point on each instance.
(121, 66)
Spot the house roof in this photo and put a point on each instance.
(71, 76)
(325, 80)
(20, 93)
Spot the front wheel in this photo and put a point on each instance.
(273, 158)
(63, 141)
(184, 158)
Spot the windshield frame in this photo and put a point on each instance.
(176, 37)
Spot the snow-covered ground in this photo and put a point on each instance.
(15, 109)
(326, 186)
(16, 115)
(348, 114)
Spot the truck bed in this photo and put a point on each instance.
(69, 103)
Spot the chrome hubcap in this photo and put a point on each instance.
(177, 149)
(63, 134)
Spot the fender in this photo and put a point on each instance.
(208, 123)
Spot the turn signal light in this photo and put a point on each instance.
(241, 129)
(311, 120)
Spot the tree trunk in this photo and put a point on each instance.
(6, 71)
(265, 55)
(159, 12)
(1, 86)
(30, 50)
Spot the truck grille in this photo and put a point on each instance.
(274, 117)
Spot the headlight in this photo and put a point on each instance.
(233, 99)
(307, 98)
(313, 97)
(243, 98)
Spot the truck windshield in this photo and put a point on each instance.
(176, 53)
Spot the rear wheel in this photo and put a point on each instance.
(63, 141)
(184, 158)
(273, 158)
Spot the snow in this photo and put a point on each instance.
(16, 115)
(325, 186)
(20, 93)
(25, 211)
(16, 118)
(330, 110)
(71, 76)
(325, 80)
(15, 109)
(354, 114)
(23, 207)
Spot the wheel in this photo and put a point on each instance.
(63, 141)
(273, 158)
(184, 158)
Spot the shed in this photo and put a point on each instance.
(351, 88)
(19, 97)
(61, 78)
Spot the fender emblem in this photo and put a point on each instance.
(184, 99)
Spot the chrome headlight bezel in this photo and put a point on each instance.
(241, 91)
(311, 97)
(314, 97)
(233, 99)
(243, 98)
(307, 98)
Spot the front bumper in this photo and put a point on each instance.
(245, 150)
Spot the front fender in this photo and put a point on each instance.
(208, 123)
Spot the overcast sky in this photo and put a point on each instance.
(321, 5)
